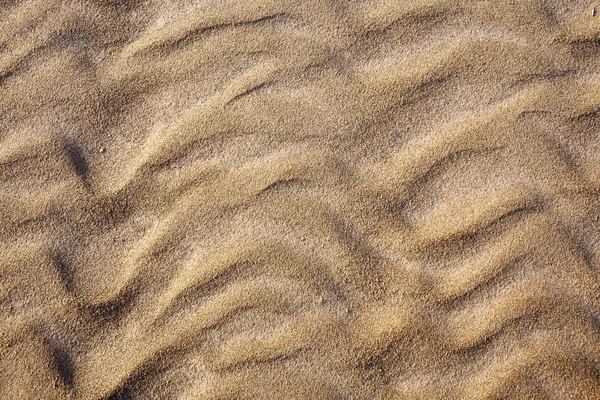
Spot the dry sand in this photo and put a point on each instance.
(285, 199)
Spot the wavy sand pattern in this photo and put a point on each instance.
(277, 199)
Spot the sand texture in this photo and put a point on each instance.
(299, 199)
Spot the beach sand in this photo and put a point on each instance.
(299, 199)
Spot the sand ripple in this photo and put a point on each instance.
(299, 199)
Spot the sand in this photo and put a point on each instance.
(286, 199)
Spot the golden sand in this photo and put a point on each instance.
(299, 199)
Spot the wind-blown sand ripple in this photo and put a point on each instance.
(299, 199)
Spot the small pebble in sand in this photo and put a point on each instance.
(594, 12)
(102, 149)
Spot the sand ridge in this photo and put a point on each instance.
(291, 199)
